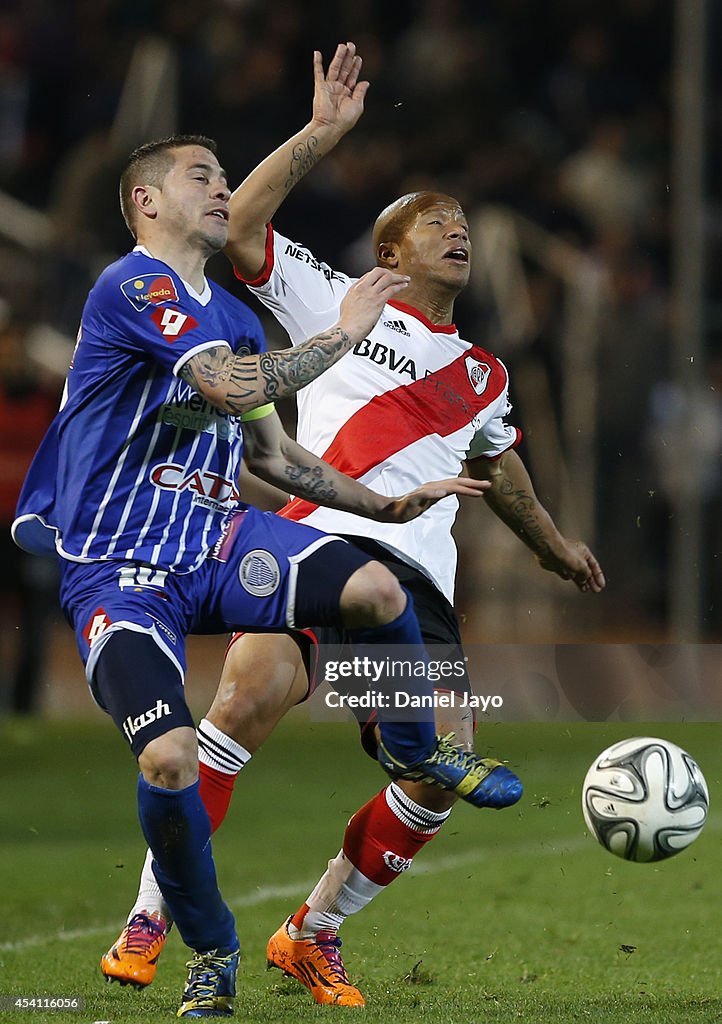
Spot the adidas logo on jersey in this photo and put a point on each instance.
(397, 325)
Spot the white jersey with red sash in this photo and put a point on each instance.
(410, 403)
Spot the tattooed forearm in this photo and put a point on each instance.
(282, 374)
(239, 383)
(310, 482)
(209, 368)
(303, 158)
(522, 512)
(212, 371)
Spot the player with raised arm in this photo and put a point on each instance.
(411, 396)
(134, 487)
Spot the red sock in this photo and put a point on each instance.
(384, 836)
(216, 792)
(380, 842)
(300, 916)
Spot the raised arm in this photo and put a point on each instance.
(276, 458)
(513, 500)
(337, 105)
(238, 384)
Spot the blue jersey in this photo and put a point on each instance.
(137, 465)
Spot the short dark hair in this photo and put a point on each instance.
(149, 164)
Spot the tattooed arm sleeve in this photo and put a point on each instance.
(513, 500)
(337, 105)
(237, 384)
(255, 201)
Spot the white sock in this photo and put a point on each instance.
(220, 751)
(150, 899)
(342, 890)
(419, 818)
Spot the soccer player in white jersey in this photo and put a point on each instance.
(412, 396)
(134, 487)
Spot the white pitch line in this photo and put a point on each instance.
(266, 893)
(251, 899)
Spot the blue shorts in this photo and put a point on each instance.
(265, 572)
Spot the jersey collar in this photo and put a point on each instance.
(203, 297)
(411, 311)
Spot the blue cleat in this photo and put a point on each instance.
(211, 984)
(480, 781)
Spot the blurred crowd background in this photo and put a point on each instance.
(554, 124)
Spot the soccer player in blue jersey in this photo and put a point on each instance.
(134, 487)
(380, 414)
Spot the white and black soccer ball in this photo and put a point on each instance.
(645, 799)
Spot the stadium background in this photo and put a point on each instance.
(583, 140)
(567, 132)
(584, 143)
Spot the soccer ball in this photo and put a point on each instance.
(645, 799)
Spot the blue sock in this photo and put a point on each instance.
(411, 740)
(176, 827)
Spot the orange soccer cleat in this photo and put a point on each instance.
(132, 960)
(316, 963)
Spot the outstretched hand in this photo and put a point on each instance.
(363, 302)
(413, 504)
(338, 99)
(577, 563)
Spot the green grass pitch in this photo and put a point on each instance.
(507, 916)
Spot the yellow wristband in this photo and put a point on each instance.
(258, 413)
